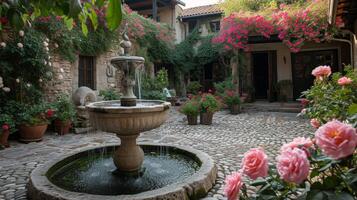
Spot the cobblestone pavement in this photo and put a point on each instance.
(226, 141)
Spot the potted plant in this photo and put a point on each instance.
(7, 123)
(34, 121)
(208, 106)
(64, 115)
(232, 100)
(191, 110)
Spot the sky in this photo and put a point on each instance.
(194, 3)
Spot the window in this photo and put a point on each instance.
(192, 25)
(215, 26)
(86, 72)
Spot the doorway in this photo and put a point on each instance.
(304, 62)
(264, 74)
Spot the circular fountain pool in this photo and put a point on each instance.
(168, 172)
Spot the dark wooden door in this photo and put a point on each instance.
(86, 72)
(264, 74)
(304, 62)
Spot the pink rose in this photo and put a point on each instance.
(300, 142)
(344, 81)
(293, 165)
(315, 123)
(336, 139)
(321, 72)
(233, 185)
(255, 163)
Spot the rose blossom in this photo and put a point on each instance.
(304, 102)
(344, 81)
(300, 142)
(255, 163)
(336, 139)
(321, 71)
(315, 123)
(5, 127)
(50, 113)
(233, 184)
(20, 45)
(17, 80)
(293, 165)
(3, 44)
(6, 89)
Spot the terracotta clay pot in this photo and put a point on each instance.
(206, 118)
(32, 133)
(192, 120)
(62, 127)
(4, 138)
(235, 109)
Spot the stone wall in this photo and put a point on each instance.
(65, 76)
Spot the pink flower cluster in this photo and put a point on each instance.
(293, 30)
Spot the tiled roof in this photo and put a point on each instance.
(201, 10)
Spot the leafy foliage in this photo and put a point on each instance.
(8, 120)
(231, 98)
(152, 88)
(194, 87)
(37, 114)
(64, 108)
(109, 94)
(190, 108)
(209, 103)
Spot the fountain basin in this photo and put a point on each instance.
(196, 178)
(110, 116)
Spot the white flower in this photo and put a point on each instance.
(40, 80)
(60, 77)
(47, 49)
(3, 44)
(21, 33)
(1, 80)
(112, 85)
(303, 111)
(47, 40)
(49, 64)
(6, 89)
(17, 80)
(61, 70)
(45, 62)
(20, 45)
(28, 85)
(56, 45)
(49, 57)
(45, 44)
(1, 85)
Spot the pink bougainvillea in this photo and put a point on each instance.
(293, 29)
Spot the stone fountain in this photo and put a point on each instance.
(128, 170)
(132, 117)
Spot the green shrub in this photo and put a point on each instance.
(152, 88)
(191, 108)
(231, 98)
(64, 108)
(194, 87)
(109, 94)
(209, 103)
(223, 86)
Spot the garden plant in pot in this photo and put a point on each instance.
(8, 125)
(191, 110)
(209, 104)
(34, 121)
(64, 115)
(232, 100)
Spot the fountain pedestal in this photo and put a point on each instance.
(129, 156)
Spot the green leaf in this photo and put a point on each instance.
(315, 195)
(352, 109)
(114, 14)
(324, 168)
(84, 29)
(75, 7)
(339, 196)
(93, 18)
(69, 23)
(258, 182)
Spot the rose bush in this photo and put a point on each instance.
(324, 169)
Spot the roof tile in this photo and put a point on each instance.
(201, 10)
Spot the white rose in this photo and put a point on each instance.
(40, 80)
(1, 85)
(1, 79)
(47, 49)
(17, 80)
(112, 85)
(21, 33)
(45, 62)
(3, 44)
(61, 70)
(60, 77)
(49, 57)
(28, 85)
(56, 45)
(49, 64)
(45, 44)
(6, 89)
(47, 40)
(20, 45)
